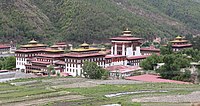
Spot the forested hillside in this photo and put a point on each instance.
(96, 20)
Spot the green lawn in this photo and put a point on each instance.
(43, 89)
(97, 93)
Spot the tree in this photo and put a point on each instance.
(8, 63)
(93, 71)
(50, 69)
(197, 74)
(169, 69)
(173, 64)
(149, 62)
(194, 40)
(166, 49)
(184, 76)
(53, 72)
(1, 64)
(193, 53)
(58, 74)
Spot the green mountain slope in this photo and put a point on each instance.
(96, 20)
(20, 20)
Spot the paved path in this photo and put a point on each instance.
(8, 76)
(190, 98)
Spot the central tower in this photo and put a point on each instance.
(126, 44)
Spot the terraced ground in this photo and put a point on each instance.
(85, 92)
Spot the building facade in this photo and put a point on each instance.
(41, 62)
(126, 50)
(27, 52)
(150, 50)
(75, 59)
(37, 58)
(126, 45)
(4, 49)
(7, 50)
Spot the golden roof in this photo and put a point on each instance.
(51, 50)
(85, 49)
(178, 37)
(178, 41)
(127, 32)
(35, 45)
(54, 46)
(84, 45)
(33, 42)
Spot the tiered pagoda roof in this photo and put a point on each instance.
(85, 48)
(29, 50)
(180, 42)
(86, 51)
(60, 44)
(52, 53)
(179, 39)
(33, 44)
(50, 50)
(83, 55)
(126, 36)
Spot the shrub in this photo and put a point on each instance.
(53, 72)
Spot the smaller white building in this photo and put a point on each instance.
(7, 50)
(121, 71)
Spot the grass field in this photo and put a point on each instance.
(43, 91)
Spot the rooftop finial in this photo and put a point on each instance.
(33, 41)
(127, 32)
(178, 38)
(84, 44)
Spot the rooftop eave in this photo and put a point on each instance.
(126, 39)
